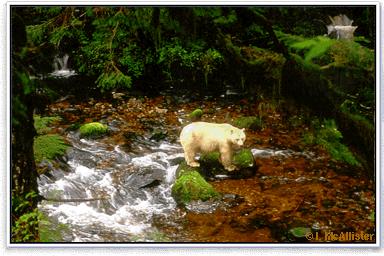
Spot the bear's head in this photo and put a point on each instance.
(237, 137)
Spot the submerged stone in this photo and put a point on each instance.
(94, 129)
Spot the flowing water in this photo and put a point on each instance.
(126, 191)
(61, 69)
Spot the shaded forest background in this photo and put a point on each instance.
(276, 52)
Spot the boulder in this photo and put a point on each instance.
(93, 130)
(191, 186)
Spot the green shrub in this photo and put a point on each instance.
(94, 129)
(249, 122)
(25, 225)
(49, 147)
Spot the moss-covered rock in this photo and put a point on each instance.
(249, 122)
(191, 186)
(196, 114)
(51, 230)
(49, 147)
(243, 159)
(93, 130)
(184, 168)
(211, 165)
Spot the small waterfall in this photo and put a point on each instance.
(341, 27)
(60, 66)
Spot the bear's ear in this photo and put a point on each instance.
(243, 129)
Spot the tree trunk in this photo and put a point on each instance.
(23, 168)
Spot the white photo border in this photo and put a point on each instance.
(378, 119)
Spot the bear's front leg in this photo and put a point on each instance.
(190, 158)
(226, 159)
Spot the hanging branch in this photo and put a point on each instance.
(74, 199)
(261, 20)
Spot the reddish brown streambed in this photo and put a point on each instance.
(302, 188)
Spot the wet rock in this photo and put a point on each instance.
(232, 200)
(176, 160)
(158, 135)
(211, 166)
(84, 158)
(200, 206)
(145, 177)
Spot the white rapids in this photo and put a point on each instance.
(127, 212)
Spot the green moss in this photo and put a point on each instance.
(49, 147)
(328, 136)
(196, 114)
(50, 231)
(371, 217)
(191, 186)
(210, 163)
(210, 158)
(94, 129)
(243, 158)
(158, 236)
(184, 168)
(249, 122)
(41, 123)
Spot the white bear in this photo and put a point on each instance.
(203, 137)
